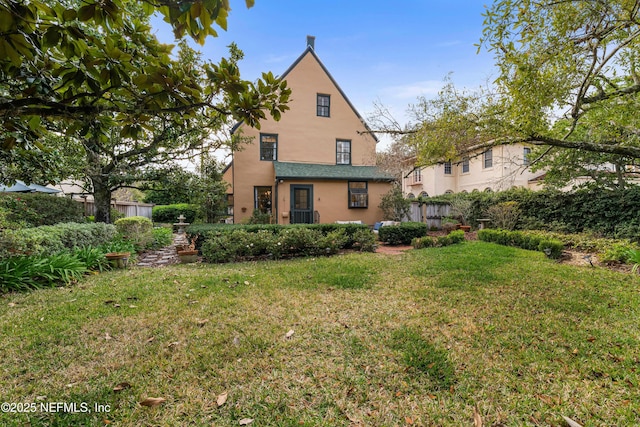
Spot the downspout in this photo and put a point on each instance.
(276, 204)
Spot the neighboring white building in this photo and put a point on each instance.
(495, 169)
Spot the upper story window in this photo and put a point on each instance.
(323, 105)
(268, 146)
(487, 156)
(465, 165)
(358, 194)
(447, 168)
(525, 156)
(416, 176)
(343, 152)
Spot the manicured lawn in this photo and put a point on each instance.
(378, 340)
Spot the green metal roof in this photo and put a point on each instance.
(286, 170)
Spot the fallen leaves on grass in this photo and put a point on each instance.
(246, 421)
(222, 399)
(153, 401)
(289, 334)
(477, 419)
(571, 422)
(121, 386)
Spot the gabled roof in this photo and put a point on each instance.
(310, 50)
(288, 170)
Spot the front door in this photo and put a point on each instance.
(302, 204)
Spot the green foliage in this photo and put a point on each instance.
(633, 257)
(258, 217)
(452, 238)
(35, 209)
(532, 241)
(162, 236)
(424, 357)
(169, 214)
(609, 212)
(394, 206)
(403, 233)
(136, 229)
(32, 272)
(504, 215)
(363, 239)
(51, 239)
(228, 244)
(92, 258)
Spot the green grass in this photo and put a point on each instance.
(378, 340)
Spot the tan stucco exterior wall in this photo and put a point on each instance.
(304, 137)
(331, 200)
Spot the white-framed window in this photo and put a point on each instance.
(323, 105)
(343, 152)
(268, 146)
(465, 165)
(416, 177)
(447, 168)
(526, 152)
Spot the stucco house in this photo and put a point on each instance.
(315, 165)
(494, 169)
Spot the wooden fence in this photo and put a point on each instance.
(430, 213)
(127, 208)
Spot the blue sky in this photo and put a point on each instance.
(376, 50)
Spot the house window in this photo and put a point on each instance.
(262, 199)
(525, 156)
(268, 147)
(465, 165)
(323, 104)
(488, 158)
(417, 176)
(358, 194)
(229, 204)
(343, 152)
(447, 168)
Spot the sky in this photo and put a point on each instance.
(382, 52)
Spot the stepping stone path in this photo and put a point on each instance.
(163, 256)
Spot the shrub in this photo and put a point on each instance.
(504, 215)
(162, 236)
(362, 239)
(532, 241)
(137, 229)
(456, 236)
(224, 244)
(402, 234)
(423, 242)
(169, 213)
(36, 209)
(51, 239)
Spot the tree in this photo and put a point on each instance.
(570, 62)
(394, 206)
(91, 71)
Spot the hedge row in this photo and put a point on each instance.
(169, 214)
(613, 213)
(283, 242)
(452, 238)
(532, 241)
(403, 233)
(36, 209)
(201, 232)
(51, 239)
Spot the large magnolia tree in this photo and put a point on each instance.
(568, 79)
(91, 71)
